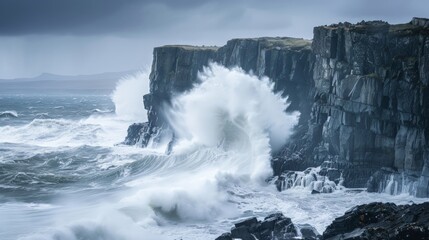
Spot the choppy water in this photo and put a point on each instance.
(64, 176)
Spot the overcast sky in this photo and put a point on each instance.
(92, 36)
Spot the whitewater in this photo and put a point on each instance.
(64, 173)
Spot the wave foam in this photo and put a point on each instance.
(128, 96)
(8, 114)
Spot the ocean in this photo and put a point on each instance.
(64, 173)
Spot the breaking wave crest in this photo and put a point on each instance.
(8, 114)
(128, 96)
(234, 111)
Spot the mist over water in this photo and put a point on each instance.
(64, 176)
(128, 96)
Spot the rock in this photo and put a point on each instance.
(247, 223)
(242, 232)
(381, 221)
(315, 180)
(274, 226)
(308, 232)
(375, 108)
(135, 132)
(368, 221)
(422, 22)
(225, 236)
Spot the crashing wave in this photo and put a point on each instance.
(233, 111)
(9, 114)
(393, 183)
(322, 179)
(127, 96)
(96, 110)
(42, 116)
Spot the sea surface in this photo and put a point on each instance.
(64, 173)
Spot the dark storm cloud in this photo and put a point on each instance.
(21, 17)
(58, 16)
(98, 17)
(92, 36)
(386, 10)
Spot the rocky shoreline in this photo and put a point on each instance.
(368, 221)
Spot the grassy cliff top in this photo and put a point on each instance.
(279, 42)
(265, 42)
(190, 47)
(415, 26)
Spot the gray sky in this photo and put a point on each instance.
(92, 36)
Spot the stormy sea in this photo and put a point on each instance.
(65, 174)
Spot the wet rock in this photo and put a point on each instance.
(248, 223)
(275, 226)
(225, 236)
(316, 180)
(381, 221)
(308, 232)
(242, 232)
(374, 112)
(135, 133)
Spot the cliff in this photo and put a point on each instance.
(362, 90)
(372, 100)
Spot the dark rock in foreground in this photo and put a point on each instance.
(275, 226)
(381, 221)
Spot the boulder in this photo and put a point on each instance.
(381, 221)
(274, 227)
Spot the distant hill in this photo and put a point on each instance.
(52, 82)
(56, 77)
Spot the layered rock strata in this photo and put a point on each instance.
(371, 106)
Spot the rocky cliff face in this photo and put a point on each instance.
(371, 104)
(362, 90)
